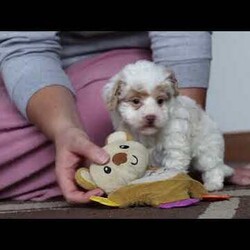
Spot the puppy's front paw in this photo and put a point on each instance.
(213, 179)
(213, 186)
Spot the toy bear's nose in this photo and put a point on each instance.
(119, 158)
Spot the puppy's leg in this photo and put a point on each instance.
(209, 160)
(214, 178)
(175, 153)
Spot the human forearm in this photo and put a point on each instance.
(188, 54)
(52, 109)
(29, 62)
(197, 94)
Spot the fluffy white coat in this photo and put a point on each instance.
(143, 100)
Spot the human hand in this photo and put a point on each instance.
(241, 176)
(72, 146)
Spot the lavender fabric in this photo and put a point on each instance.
(182, 203)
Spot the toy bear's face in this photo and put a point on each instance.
(128, 161)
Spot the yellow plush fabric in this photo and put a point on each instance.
(177, 188)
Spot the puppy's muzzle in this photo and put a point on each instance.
(150, 119)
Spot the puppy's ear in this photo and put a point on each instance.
(111, 93)
(172, 78)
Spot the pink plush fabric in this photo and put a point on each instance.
(27, 156)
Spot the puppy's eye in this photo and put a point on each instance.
(124, 146)
(107, 170)
(136, 101)
(160, 101)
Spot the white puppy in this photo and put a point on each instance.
(143, 100)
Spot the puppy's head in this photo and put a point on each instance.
(141, 93)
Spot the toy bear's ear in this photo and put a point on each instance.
(118, 136)
(84, 179)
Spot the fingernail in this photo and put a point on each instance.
(103, 157)
(100, 193)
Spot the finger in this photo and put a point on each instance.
(242, 172)
(70, 190)
(247, 166)
(245, 181)
(78, 197)
(241, 176)
(240, 180)
(91, 151)
(66, 182)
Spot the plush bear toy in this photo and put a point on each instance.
(128, 162)
(128, 180)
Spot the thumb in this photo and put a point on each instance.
(91, 151)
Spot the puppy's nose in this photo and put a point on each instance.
(150, 118)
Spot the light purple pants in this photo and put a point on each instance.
(27, 156)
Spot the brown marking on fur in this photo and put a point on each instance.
(139, 94)
(173, 80)
(161, 92)
(134, 95)
(172, 77)
(119, 158)
(167, 89)
(176, 90)
(113, 101)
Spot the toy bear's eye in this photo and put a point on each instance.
(107, 170)
(124, 146)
